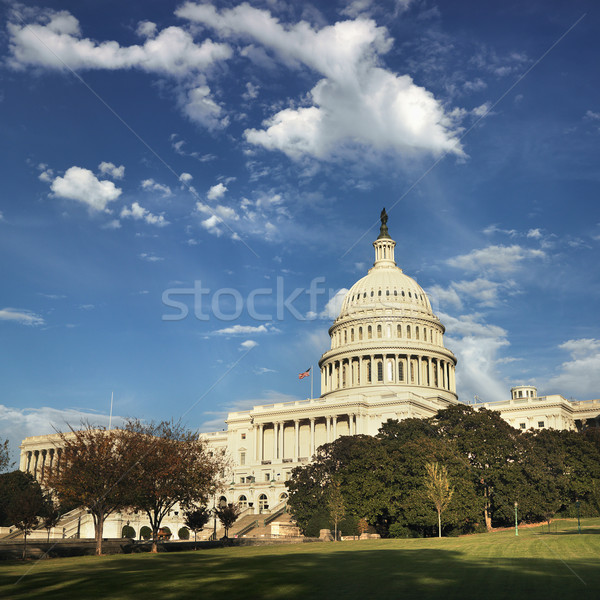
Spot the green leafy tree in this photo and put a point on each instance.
(172, 467)
(145, 532)
(25, 514)
(183, 533)
(196, 519)
(335, 505)
(438, 489)
(228, 515)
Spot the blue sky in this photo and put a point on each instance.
(150, 149)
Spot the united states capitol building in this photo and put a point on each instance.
(387, 360)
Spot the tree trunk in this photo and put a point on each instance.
(25, 544)
(439, 524)
(99, 530)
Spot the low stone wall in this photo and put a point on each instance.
(61, 548)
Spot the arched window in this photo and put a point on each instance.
(369, 332)
(389, 331)
(390, 370)
(369, 378)
(263, 502)
(378, 331)
(222, 501)
(395, 292)
(400, 371)
(352, 334)
(360, 333)
(417, 333)
(387, 292)
(379, 293)
(399, 331)
(408, 331)
(345, 336)
(243, 502)
(379, 370)
(283, 496)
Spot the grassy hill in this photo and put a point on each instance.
(539, 563)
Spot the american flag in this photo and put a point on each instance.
(305, 374)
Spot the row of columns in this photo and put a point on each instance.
(388, 368)
(36, 462)
(348, 335)
(331, 423)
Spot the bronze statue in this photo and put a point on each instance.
(383, 230)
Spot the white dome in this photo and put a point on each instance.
(385, 287)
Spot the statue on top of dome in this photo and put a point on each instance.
(383, 230)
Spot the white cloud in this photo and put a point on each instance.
(150, 257)
(1, 216)
(108, 168)
(477, 345)
(46, 174)
(251, 91)
(19, 423)
(146, 29)
(185, 177)
(356, 103)
(440, 296)
(83, 186)
(244, 330)
(150, 185)
(578, 377)
(248, 345)
(138, 213)
(502, 259)
(334, 305)
(216, 191)
(54, 41)
(535, 234)
(114, 224)
(23, 317)
(491, 229)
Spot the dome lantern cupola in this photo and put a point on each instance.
(384, 245)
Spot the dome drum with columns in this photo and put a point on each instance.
(387, 335)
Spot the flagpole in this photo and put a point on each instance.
(311, 383)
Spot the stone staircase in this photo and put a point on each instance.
(66, 528)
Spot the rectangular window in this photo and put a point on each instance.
(243, 436)
(267, 476)
(541, 424)
(242, 458)
(522, 425)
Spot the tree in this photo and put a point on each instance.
(335, 505)
(4, 456)
(51, 515)
(197, 519)
(228, 515)
(172, 467)
(12, 486)
(25, 513)
(438, 489)
(95, 472)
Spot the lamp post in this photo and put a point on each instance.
(578, 520)
(516, 519)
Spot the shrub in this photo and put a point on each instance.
(146, 532)
(128, 532)
(183, 533)
(397, 530)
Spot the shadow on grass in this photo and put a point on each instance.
(341, 572)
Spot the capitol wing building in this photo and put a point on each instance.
(387, 361)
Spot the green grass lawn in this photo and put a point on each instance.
(561, 564)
